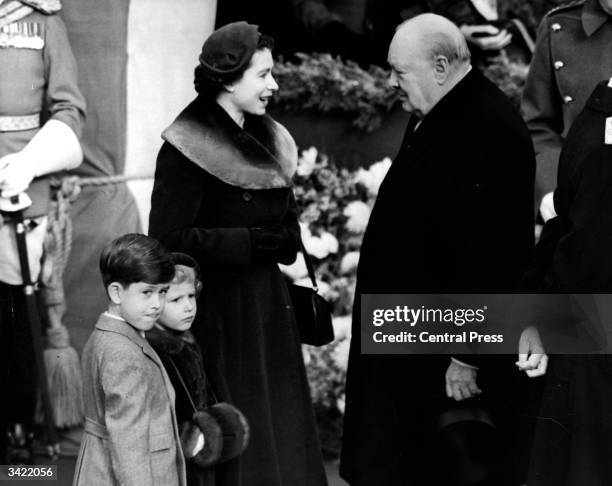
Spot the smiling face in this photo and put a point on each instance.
(180, 309)
(413, 75)
(252, 92)
(140, 303)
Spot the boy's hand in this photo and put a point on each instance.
(199, 445)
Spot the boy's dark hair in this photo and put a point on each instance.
(189, 262)
(135, 258)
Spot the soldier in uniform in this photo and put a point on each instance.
(572, 55)
(41, 115)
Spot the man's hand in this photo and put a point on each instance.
(532, 359)
(16, 174)
(486, 37)
(547, 207)
(461, 381)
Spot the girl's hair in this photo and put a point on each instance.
(180, 275)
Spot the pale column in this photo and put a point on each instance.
(164, 41)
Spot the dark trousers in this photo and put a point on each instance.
(17, 364)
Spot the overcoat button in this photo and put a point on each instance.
(558, 65)
(247, 196)
(567, 99)
(556, 27)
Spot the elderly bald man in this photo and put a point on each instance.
(454, 214)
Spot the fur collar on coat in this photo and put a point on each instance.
(263, 155)
(167, 341)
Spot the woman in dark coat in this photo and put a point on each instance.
(573, 436)
(223, 195)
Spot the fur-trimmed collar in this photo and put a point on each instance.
(168, 342)
(261, 156)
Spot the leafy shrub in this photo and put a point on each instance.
(323, 84)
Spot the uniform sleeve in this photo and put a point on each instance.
(542, 110)
(127, 417)
(175, 203)
(63, 99)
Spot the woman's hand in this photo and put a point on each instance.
(272, 243)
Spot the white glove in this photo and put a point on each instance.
(16, 173)
(55, 147)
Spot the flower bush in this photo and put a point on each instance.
(322, 84)
(335, 206)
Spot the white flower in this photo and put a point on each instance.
(341, 403)
(349, 262)
(307, 161)
(358, 214)
(297, 269)
(340, 354)
(331, 241)
(304, 231)
(342, 327)
(316, 247)
(319, 246)
(372, 178)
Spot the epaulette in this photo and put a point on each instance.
(45, 6)
(565, 6)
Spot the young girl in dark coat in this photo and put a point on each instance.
(208, 437)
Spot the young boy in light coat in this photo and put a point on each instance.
(131, 434)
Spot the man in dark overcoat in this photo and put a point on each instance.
(454, 214)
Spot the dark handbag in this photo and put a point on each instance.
(225, 429)
(312, 312)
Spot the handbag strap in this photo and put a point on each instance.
(180, 377)
(309, 266)
(178, 374)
